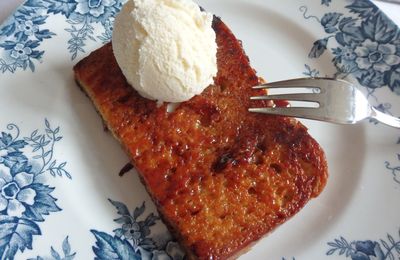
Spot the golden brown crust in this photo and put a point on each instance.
(221, 177)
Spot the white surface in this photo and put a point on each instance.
(359, 202)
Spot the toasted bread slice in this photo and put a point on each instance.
(221, 177)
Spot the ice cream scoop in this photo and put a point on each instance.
(166, 49)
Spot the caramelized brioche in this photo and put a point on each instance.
(220, 176)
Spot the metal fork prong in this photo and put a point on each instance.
(272, 85)
(318, 83)
(311, 97)
(302, 112)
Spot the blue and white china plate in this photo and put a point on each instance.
(60, 193)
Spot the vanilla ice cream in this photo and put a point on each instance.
(165, 48)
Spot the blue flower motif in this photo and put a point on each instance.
(367, 250)
(96, 10)
(348, 53)
(380, 57)
(25, 199)
(28, 27)
(21, 52)
(131, 231)
(15, 191)
(367, 45)
(344, 59)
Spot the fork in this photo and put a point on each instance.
(338, 102)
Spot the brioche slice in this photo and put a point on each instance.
(221, 177)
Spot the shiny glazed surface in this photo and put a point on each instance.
(220, 176)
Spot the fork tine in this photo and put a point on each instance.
(312, 97)
(299, 83)
(302, 112)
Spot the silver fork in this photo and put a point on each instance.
(338, 102)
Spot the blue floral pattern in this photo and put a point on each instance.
(25, 199)
(366, 45)
(132, 240)
(394, 170)
(22, 34)
(16, 191)
(366, 249)
(309, 72)
(326, 2)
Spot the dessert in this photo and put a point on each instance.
(221, 177)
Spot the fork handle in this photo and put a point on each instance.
(385, 118)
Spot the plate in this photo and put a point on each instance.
(60, 193)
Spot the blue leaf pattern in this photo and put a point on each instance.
(108, 247)
(16, 234)
(132, 240)
(394, 170)
(329, 21)
(66, 253)
(312, 73)
(362, 8)
(66, 247)
(393, 79)
(65, 7)
(366, 249)
(24, 197)
(379, 29)
(44, 204)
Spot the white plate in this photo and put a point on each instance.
(56, 202)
